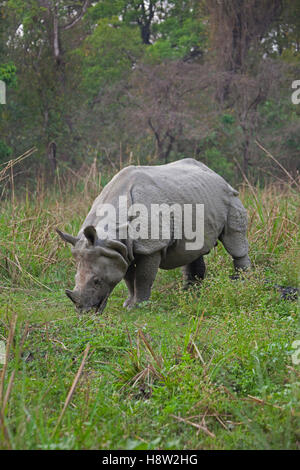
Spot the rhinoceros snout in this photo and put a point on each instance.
(83, 306)
(72, 296)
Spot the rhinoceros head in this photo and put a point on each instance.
(101, 264)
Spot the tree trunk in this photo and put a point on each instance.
(56, 44)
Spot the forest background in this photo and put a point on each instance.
(148, 82)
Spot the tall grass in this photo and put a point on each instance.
(207, 368)
(30, 218)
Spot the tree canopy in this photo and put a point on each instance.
(151, 81)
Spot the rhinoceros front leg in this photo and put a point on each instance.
(140, 279)
(145, 273)
(130, 279)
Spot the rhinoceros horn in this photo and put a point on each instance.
(67, 238)
(72, 295)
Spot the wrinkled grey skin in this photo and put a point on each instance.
(102, 264)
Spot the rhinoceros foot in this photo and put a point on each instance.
(129, 303)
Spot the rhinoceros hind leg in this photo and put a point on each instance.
(193, 272)
(237, 246)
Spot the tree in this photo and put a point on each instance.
(41, 39)
(162, 98)
(238, 29)
(141, 13)
(61, 16)
(133, 79)
(238, 25)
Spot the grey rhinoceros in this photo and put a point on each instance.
(107, 249)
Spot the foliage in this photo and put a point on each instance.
(5, 151)
(8, 74)
(84, 83)
(183, 34)
(108, 54)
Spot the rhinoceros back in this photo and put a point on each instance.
(183, 182)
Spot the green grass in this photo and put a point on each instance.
(217, 356)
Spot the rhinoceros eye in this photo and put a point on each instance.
(96, 281)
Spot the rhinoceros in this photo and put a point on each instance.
(107, 254)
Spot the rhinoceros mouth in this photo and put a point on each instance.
(100, 306)
(97, 307)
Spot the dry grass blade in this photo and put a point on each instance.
(11, 163)
(192, 348)
(23, 271)
(247, 182)
(11, 333)
(59, 342)
(4, 431)
(158, 360)
(72, 389)
(142, 372)
(8, 391)
(259, 401)
(12, 377)
(194, 351)
(196, 425)
(129, 337)
(146, 375)
(278, 163)
(221, 422)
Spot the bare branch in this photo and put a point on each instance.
(78, 17)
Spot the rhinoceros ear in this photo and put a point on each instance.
(91, 234)
(67, 238)
(117, 246)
